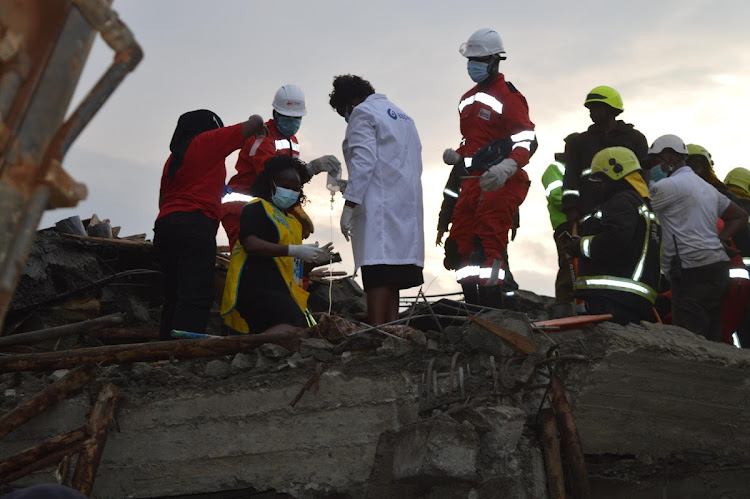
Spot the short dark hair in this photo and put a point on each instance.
(347, 88)
(263, 186)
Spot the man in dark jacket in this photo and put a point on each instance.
(618, 251)
(580, 196)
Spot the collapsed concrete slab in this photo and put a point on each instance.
(432, 452)
(657, 409)
(209, 434)
(660, 408)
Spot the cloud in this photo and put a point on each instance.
(679, 65)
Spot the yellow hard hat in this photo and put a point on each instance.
(607, 95)
(695, 149)
(739, 177)
(614, 163)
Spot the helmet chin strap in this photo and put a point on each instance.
(492, 69)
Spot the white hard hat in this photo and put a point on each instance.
(668, 142)
(290, 101)
(482, 43)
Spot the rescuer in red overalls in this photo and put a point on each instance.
(483, 214)
(288, 110)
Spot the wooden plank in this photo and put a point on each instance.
(66, 386)
(107, 241)
(134, 237)
(570, 440)
(517, 341)
(145, 352)
(552, 458)
(125, 334)
(43, 455)
(566, 323)
(61, 331)
(102, 414)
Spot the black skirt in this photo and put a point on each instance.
(398, 276)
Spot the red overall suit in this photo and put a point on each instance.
(498, 111)
(253, 156)
(735, 301)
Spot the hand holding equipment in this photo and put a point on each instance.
(305, 252)
(328, 163)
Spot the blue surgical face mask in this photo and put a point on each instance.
(657, 173)
(287, 125)
(346, 115)
(478, 71)
(284, 198)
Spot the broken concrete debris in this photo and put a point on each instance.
(451, 402)
(373, 399)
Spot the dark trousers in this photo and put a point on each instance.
(743, 330)
(485, 296)
(185, 244)
(621, 314)
(564, 279)
(697, 296)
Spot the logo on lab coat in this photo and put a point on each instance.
(394, 115)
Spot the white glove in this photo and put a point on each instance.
(305, 252)
(346, 221)
(327, 163)
(325, 254)
(451, 157)
(495, 177)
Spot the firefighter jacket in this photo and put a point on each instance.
(254, 154)
(620, 249)
(552, 180)
(578, 190)
(497, 111)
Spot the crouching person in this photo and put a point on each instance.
(263, 291)
(618, 251)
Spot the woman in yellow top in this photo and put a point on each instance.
(262, 291)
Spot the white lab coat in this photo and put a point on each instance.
(383, 156)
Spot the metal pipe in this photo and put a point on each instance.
(127, 56)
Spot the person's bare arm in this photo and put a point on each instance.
(259, 247)
(734, 219)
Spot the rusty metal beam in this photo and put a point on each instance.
(43, 47)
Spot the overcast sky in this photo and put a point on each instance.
(681, 67)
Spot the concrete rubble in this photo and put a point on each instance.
(444, 409)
